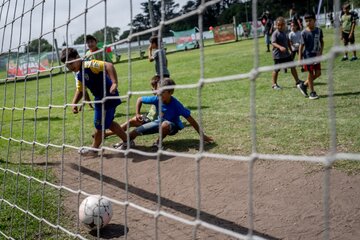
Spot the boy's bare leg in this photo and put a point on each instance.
(97, 138)
(274, 77)
(317, 74)
(117, 130)
(310, 81)
(294, 74)
(165, 128)
(133, 122)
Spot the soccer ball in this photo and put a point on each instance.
(95, 212)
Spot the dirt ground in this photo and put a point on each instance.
(288, 197)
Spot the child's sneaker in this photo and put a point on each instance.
(298, 82)
(303, 89)
(123, 145)
(345, 58)
(276, 87)
(87, 152)
(354, 58)
(313, 95)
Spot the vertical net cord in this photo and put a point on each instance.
(5, 25)
(5, 82)
(54, 48)
(253, 123)
(23, 114)
(37, 105)
(201, 142)
(25, 99)
(103, 129)
(126, 170)
(12, 115)
(332, 128)
(158, 156)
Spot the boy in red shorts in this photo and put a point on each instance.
(311, 45)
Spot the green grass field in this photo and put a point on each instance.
(287, 123)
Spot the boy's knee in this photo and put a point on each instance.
(165, 127)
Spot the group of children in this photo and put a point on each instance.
(165, 109)
(307, 43)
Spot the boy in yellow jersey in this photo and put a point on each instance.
(90, 75)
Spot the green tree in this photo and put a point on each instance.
(79, 40)
(45, 46)
(112, 34)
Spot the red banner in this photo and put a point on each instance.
(224, 33)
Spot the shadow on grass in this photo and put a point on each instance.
(193, 108)
(166, 202)
(185, 145)
(342, 94)
(110, 231)
(39, 119)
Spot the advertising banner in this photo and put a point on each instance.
(224, 33)
(185, 39)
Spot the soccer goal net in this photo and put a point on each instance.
(181, 187)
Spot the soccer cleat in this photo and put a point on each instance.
(303, 89)
(313, 95)
(87, 152)
(276, 87)
(345, 58)
(354, 58)
(123, 145)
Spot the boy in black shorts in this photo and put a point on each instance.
(348, 22)
(281, 54)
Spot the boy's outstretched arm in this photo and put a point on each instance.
(150, 56)
(138, 108)
(77, 96)
(195, 125)
(111, 72)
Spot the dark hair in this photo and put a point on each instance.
(90, 37)
(168, 82)
(310, 15)
(346, 5)
(153, 39)
(155, 80)
(70, 53)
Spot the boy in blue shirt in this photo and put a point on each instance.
(169, 116)
(311, 45)
(90, 74)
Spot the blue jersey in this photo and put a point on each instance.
(312, 42)
(93, 79)
(171, 111)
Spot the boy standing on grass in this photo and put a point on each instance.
(169, 116)
(91, 43)
(294, 38)
(154, 54)
(281, 54)
(90, 74)
(348, 23)
(312, 45)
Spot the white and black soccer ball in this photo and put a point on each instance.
(95, 212)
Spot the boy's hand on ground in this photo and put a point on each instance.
(208, 139)
(75, 109)
(139, 117)
(113, 88)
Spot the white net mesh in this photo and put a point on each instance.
(36, 204)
